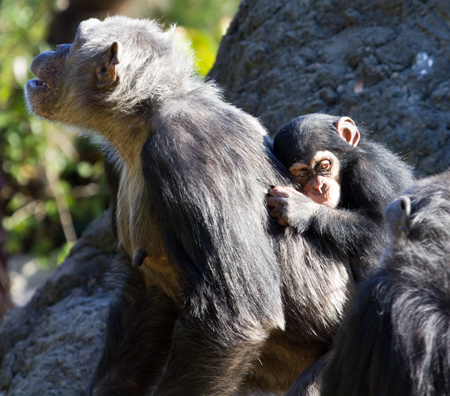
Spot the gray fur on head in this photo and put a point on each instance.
(426, 228)
(144, 73)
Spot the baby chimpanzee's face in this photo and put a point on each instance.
(319, 178)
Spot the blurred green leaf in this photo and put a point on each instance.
(205, 46)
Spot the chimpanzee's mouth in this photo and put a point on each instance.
(318, 193)
(38, 83)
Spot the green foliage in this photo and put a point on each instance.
(53, 175)
(200, 14)
(203, 21)
(39, 159)
(205, 46)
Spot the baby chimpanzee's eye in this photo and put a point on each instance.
(324, 165)
(302, 175)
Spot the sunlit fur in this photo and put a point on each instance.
(143, 70)
(370, 178)
(396, 340)
(251, 304)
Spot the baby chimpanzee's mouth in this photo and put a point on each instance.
(320, 193)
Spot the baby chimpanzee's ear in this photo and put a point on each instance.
(348, 131)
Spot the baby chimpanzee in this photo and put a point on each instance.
(349, 180)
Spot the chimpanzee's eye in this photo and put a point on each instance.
(302, 175)
(325, 165)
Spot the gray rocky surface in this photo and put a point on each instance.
(52, 345)
(386, 63)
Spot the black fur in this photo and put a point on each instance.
(250, 304)
(396, 339)
(257, 303)
(120, 371)
(371, 177)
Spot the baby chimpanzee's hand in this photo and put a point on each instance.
(290, 207)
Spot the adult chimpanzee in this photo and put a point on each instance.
(396, 339)
(219, 297)
(350, 181)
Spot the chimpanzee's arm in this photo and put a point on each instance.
(349, 231)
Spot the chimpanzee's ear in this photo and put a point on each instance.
(405, 206)
(348, 131)
(107, 68)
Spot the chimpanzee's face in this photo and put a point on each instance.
(319, 178)
(43, 94)
(61, 75)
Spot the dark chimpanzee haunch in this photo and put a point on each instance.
(396, 338)
(349, 180)
(216, 297)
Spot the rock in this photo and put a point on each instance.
(52, 345)
(384, 63)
